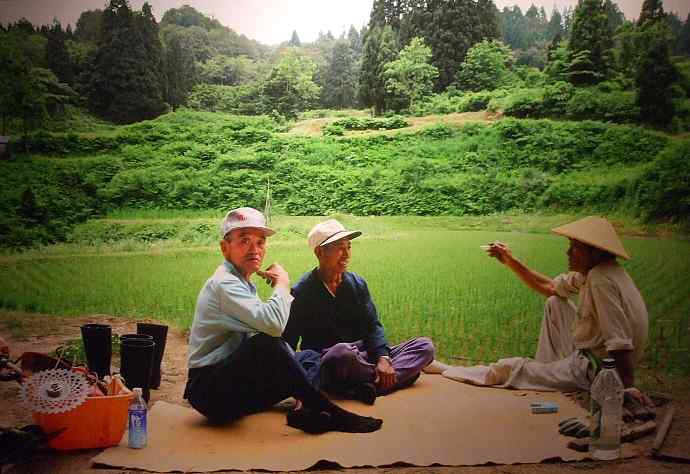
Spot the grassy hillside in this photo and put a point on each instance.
(194, 160)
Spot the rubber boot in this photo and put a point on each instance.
(136, 361)
(159, 332)
(97, 340)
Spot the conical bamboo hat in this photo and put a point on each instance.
(595, 231)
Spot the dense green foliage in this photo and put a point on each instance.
(289, 87)
(411, 77)
(190, 160)
(128, 67)
(486, 67)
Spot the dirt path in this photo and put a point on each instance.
(312, 127)
(44, 333)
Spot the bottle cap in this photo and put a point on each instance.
(607, 363)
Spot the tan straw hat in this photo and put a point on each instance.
(595, 231)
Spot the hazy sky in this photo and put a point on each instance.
(272, 21)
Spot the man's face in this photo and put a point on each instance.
(579, 257)
(335, 256)
(245, 249)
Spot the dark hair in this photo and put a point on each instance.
(600, 255)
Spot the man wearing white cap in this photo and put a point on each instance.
(238, 364)
(610, 321)
(333, 313)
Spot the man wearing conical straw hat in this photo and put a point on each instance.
(610, 321)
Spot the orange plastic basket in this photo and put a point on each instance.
(97, 423)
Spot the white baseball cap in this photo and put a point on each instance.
(242, 218)
(329, 231)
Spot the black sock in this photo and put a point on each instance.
(333, 419)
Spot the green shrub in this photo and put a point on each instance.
(591, 104)
(662, 191)
(524, 103)
(242, 100)
(453, 101)
(561, 99)
(333, 130)
(365, 123)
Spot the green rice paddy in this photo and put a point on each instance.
(426, 279)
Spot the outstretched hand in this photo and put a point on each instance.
(500, 252)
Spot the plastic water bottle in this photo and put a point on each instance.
(137, 421)
(607, 413)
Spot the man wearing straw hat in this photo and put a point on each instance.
(238, 364)
(333, 313)
(610, 321)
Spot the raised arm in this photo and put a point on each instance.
(535, 280)
(268, 317)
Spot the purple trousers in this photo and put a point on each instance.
(345, 364)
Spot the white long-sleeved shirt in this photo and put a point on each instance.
(228, 311)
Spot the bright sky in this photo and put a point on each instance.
(272, 21)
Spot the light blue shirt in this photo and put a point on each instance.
(228, 311)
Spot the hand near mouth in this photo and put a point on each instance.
(275, 276)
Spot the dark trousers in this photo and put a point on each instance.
(259, 374)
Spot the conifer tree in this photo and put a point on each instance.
(450, 29)
(536, 25)
(614, 15)
(354, 39)
(294, 40)
(555, 26)
(340, 77)
(652, 11)
(380, 47)
(590, 44)
(124, 86)
(89, 26)
(154, 53)
(655, 71)
(514, 28)
(567, 21)
(180, 70)
(684, 39)
(553, 46)
(57, 57)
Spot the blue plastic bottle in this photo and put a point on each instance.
(137, 421)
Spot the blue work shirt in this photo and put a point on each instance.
(228, 311)
(322, 320)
